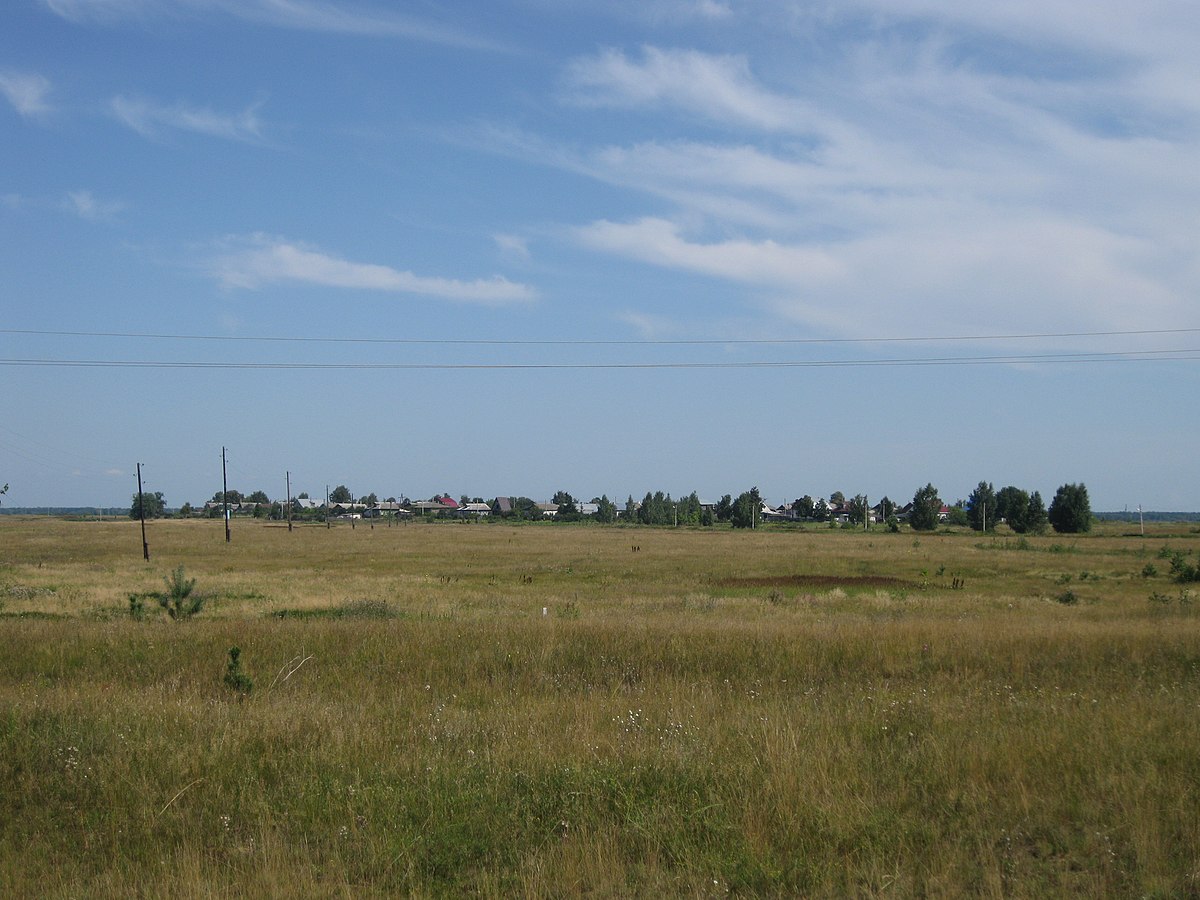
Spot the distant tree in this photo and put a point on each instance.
(370, 500)
(803, 507)
(689, 510)
(957, 515)
(821, 510)
(887, 508)
(1070, 511)
(657, 509)
(724, 509)
(276, 512)
(926, 507)
(708, 518)
(606, 510)
(1036, 519)
(746, 509)
(340, 494)
(837, 498)
(568, 509)
(524, 508)
(981, 507)
(186, 511)
(233, 498)
(857, 511)
(153, 504)
(1012, 505)
(303, 495)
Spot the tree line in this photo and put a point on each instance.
(1022, 511)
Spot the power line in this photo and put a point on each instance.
(551, 342)
(1030, 359)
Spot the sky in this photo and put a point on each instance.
(522, 246)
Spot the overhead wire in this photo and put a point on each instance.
(571, 342)
(1018, 359)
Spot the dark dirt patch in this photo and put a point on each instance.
(816, 581)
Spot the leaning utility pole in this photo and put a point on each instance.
(225, 495)
(142, 515)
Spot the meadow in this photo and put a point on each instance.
(550, 710)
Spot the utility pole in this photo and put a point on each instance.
(983, 509)
(327, 523)
(225, 495)
(142, 515)
(288, 475)
(1141, 520)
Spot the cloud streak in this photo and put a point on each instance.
(302, 15)
(260, 260)
(152, 119)
(717, 88)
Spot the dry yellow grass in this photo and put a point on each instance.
(775, 713)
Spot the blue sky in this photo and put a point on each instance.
(700, 237)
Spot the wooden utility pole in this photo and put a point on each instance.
(288, 475)
(328, 525)
(142, 515)
(225, 495)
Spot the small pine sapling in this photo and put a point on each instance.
(235, 679)
(179, 601)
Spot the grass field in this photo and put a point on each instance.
(562, 710)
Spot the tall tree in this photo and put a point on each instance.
(1036, 519)
(568, 509)
(926, 507)
(340, 494)
(724, 508)
(981, 507)
(804, 507)
(153, 504)
(1070, 511)
(857, 511)
(1012, 505)
(746, 509)
(606, 510)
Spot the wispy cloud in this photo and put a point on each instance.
(151, 119)
(305, 15)
(254, 261)
(27, 93)
(956, 172)
(512, 245)
(87, 206)
(718, 88)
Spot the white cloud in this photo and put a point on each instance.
(27, 93)
(149, 119)
(259, 260)
(719, 88)
(304, 15)
(754, 262)
(512, 245)
(85, 205)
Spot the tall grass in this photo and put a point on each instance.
(666, 728)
